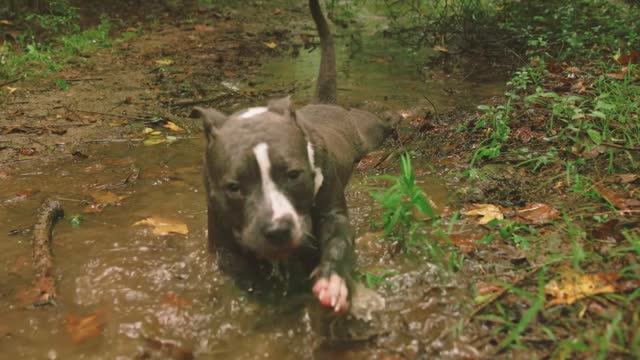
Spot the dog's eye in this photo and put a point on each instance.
(294, 174)
(232, 187)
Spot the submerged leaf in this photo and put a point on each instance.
(86, 327)
(164, 226)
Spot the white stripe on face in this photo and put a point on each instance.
(318, 178)
(280, 204)
(251, 112)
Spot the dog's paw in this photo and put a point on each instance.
(332, 292)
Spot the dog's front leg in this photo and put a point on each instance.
(333, 275)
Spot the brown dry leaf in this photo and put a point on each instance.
(573, 286)
(537, 213)
(372, 159)
(174, 300)
(204, 28)
(21, 262)
(486, 288)
(107, 198)
(618, 200)
(619, 75)
(163, 226)
(11, 89)
(627, 178)
(487, 211)
(441, 49)
(466, 242)
(270, 44)
(173, 127)
(379, 60)
(86, 327)
(3, 175)
(277, 12)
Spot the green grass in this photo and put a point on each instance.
(34, 59)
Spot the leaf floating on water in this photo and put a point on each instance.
(488, 212)
(176, 301)
(107, 198)
(270, 45)
(573, 286)
(86, 327)
(76, 220)
(537, 213)
(164, 226)
(154, 140)
(173, 127)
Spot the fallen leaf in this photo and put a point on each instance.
(537, 213)
(487, 211)
(5, 22)
(441, 49)
(167, 350)
(466, 241)
(618, 200)
(372, 159)
(107, 198)
(11, 89)
(154, 140)
(270, 45)
(164, 62)
(27, 152)
(21, 262)
(86, 327)
(619, 75)
(277, 12)
(174, 300)
(3, 175)
(486, 288)
(164, 226)
(204, 28)
(173, 127)
(573, 286)
(626, 59)
(622, 178)
(608, 230)
(379, 60)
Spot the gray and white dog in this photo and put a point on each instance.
(275, 180)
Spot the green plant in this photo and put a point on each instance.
(404, 203)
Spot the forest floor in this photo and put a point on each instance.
(535, 230)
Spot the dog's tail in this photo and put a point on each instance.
(326, 87)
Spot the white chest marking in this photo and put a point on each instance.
(280, 204)
(318, 178)
(251, 112)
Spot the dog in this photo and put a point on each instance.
(275, 178)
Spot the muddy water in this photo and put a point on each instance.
(162, 296)
(125, 293)
(372, 67)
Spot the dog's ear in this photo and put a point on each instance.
(211, 119)
(282, 106)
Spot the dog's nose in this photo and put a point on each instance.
(278, 232)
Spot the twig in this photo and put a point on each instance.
(82, 79)
(499, 294)
(9, 82)
(111, 140)
(199, 101)
(433, 105)
(617, 146)
(108, 114)
(50, 212)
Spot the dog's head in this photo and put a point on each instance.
(261, 177)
